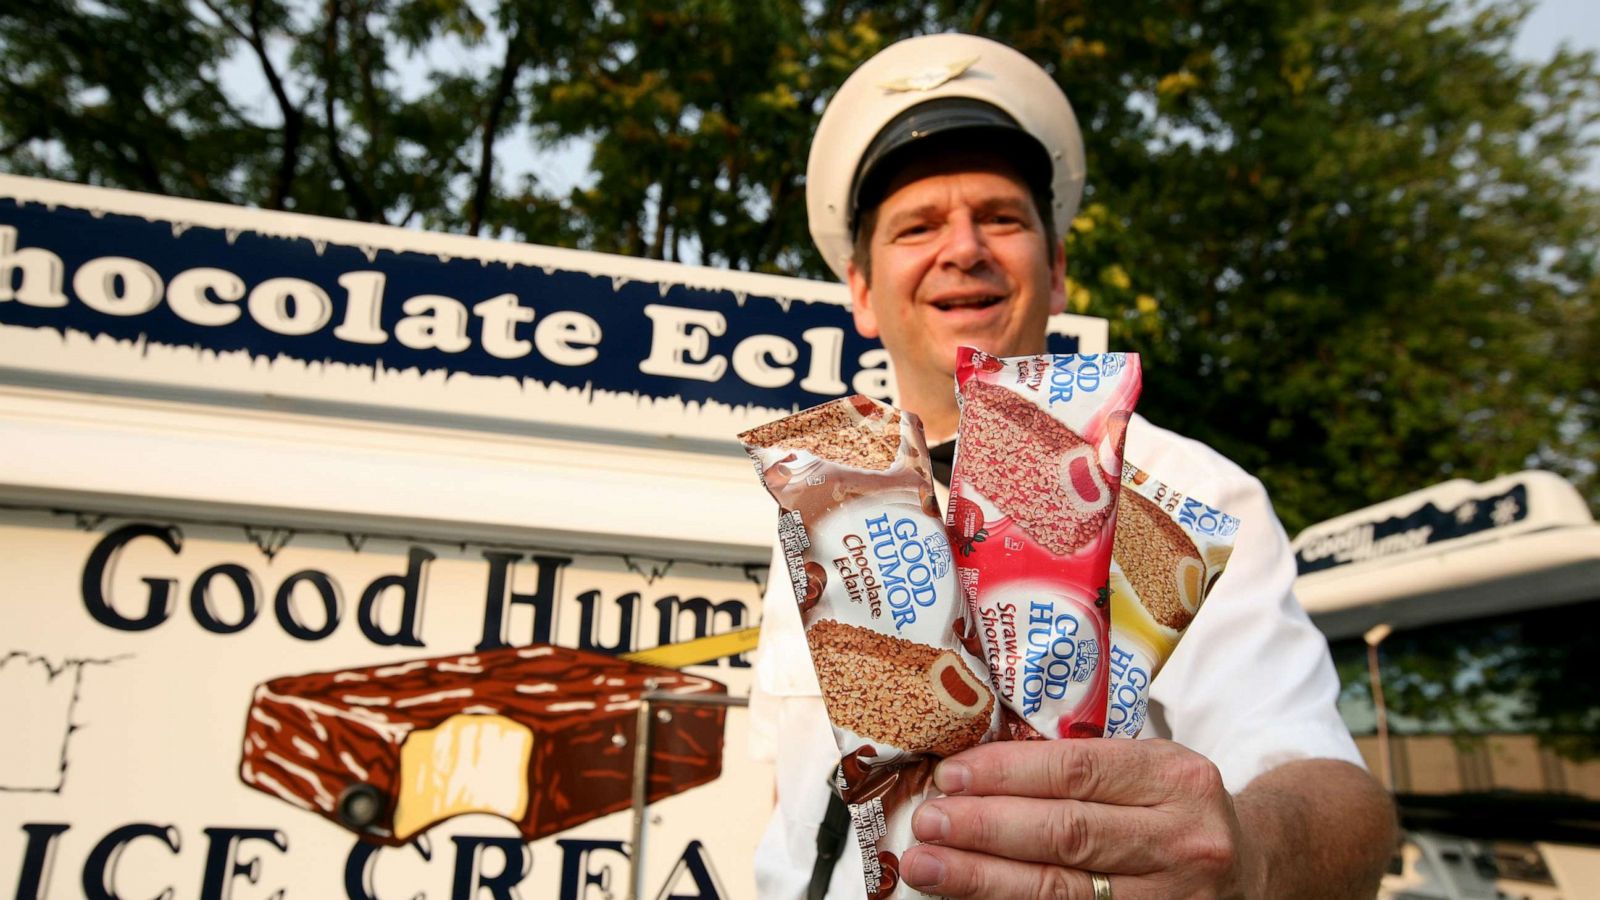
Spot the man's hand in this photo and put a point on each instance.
(1034, 818)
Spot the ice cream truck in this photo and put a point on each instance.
(1470, 607)
(341, 560)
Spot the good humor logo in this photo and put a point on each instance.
(1074, 374)
(908, 564)
(1203, 519)
(1398, 535)
(1129, 697)
(1057, 656)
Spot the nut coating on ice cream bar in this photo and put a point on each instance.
(1169, 551)
(1159, 560)
(859, 435)
(1034, 468)
(540, 735)
(914, 696)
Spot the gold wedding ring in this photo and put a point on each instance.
(1102, 886)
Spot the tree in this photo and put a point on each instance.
(1367, 260)
(1350, 237)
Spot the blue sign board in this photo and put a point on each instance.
(278, 287)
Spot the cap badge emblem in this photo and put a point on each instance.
(929, 78)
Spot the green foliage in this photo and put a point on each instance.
(1373, 261)
(1349, 236)
(74, 79)
(701, 115)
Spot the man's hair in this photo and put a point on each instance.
(867, 223)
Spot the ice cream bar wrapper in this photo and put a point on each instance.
(1033, 506)
(896, 655)
(1169, 551)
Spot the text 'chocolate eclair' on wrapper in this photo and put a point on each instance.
(1170, 549)
(1033, 504)
(892, 642)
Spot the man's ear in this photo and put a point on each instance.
(1058, 280)
(861, 301)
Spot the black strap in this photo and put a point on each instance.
(943, 457)
(830, 844)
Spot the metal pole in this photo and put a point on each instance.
(641, 786)
(641, 765)
(1373, 638)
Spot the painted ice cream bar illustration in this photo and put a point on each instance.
(540, 735)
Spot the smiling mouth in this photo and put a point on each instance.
(967, 303)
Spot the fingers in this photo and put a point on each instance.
(1060, 832)
(1032, 819)
(948, 872)
(1099, 770)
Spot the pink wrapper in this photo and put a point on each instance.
(1033, 506)
(891, 639)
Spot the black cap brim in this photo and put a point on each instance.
(946, 123)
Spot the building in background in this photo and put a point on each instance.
(1479, 602)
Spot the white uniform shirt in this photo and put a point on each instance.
(1250, 686)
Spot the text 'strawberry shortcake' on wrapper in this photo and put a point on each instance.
(1033, 504)
(1170, 549)
(901, 673)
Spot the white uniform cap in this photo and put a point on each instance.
(925, 86)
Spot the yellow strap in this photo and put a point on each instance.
(697, 651)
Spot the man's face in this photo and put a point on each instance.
(958, 256)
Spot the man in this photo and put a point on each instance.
(941, 179)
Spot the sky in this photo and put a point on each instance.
(1553, 21)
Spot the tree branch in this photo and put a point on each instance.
(772, 229)
(663, 204)
(975, 24)
(353, 189)
(293, 118)
(510, 67)
(145, 166)
(361, 42)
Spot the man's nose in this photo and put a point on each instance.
(965, 246)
